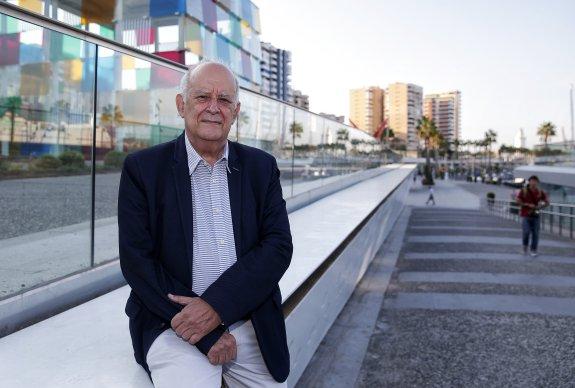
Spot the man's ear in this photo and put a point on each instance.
(237, 110)
(180, 104)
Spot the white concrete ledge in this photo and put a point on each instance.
(89, 345)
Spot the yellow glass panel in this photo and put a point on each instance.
(128, 63)
(76, 68)
(194, 46)
(32, 5)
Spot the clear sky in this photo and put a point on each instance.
(513, 60)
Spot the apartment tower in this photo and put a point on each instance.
(366, 108)
(403, 110)
(445, 110)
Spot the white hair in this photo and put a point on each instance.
(185, 81)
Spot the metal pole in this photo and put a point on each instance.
(571, 226)
(93, 175)
(572, 125)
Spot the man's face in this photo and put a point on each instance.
(533, 183)
(211, 105)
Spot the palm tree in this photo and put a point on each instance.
(12, 105)
(490, 138)
(111, 116)
(427, 131)
(545, 131)
(343, 136)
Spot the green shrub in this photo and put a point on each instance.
(72, 159)
(46, 162)
(3, 165)
(114, 159)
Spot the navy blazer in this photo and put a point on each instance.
(155, 236)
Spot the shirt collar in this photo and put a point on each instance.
(194, 157)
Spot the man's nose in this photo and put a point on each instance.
(213, 105)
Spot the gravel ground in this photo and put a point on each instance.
(34, 205)
(38, 204)
(438, 348)
(469, 349)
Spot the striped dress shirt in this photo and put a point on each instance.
(213, 232)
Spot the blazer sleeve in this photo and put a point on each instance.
(145, 274)
(253, 277)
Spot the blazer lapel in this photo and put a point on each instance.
(235, 189)
(182, 181)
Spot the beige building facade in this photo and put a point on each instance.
(366, 108)
(445, 110)
(403, 109)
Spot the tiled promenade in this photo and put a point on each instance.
(451, 302)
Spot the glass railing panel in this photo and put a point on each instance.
(308, 165)
(46, 112)
(136, 110)
(261, 125)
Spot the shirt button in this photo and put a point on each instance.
(217, 210)
(221, 241)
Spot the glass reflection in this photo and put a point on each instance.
(139, 111)
(45, 152)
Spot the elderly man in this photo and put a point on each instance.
(204, 241)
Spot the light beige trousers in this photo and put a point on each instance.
(174, 363)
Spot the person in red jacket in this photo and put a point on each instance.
(531, 199)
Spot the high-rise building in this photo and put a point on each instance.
(184, 31)
(300, 99)
(366, 108)
(445, 111)
(275, 67)
(403, 110)
(519, 141)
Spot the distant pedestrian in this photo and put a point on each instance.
(430, 198)
(531, 199)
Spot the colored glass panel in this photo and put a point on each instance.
(247, 11)
(256, 18)
(98, 11)
(209, 46)
(106, 73)
(35, 79)
(163, 77)
(209, 13)
(9, 47)
(246, 65)
(142, 79)
(12, 25)
(176, 56)
(31, 53)
(135, 9)
(32, 5)
(128, 62)
(145, 36)
(224, 23)
(107, 32)
(236, 35)
(167, 7)
(195, 9)
(223, 49)
(193, 37)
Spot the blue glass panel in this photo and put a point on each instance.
(31, 53)
(194, 8)
(167, 7)
(247, 11)
(223, 50)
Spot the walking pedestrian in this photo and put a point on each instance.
(430, 198)
(531, 199)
